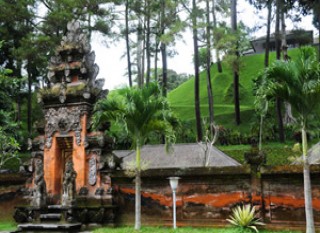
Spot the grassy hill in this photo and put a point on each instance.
(182, 98)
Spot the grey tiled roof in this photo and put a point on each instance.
(314, 154)
(182, 156)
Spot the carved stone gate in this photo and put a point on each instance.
(68, 157)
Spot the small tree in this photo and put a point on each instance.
(142, 112)
(8, 144)
(8, 148)
(298, 82)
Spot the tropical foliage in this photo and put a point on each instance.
(142, 112)
(8, 144)
(298, 83)
(243, 217)
(8, 148)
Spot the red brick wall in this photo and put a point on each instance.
(206, 196)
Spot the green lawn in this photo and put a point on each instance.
(276, 153)
(7, 226)
(181, 230)
(182, 98)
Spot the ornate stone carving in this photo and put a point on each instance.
(69, 185)
(63, 120)
(109, 162)
(254, 156)
(22, 215)
(92, 171)
(38, 143)
(83, 191)
(63, 93)
(97, 216)
(75, 42)
(73, 66)
(99, 83)
(40, 191)
(99, 191)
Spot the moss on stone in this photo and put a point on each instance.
(55, 90)
(76, 89)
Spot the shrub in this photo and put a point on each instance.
(243, 217)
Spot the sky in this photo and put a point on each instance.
(113, 67)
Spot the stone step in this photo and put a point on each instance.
(58, 207)
(50, 217)
(49, 227)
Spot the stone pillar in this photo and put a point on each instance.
(52, 168)
(79, 156)
(256, 159)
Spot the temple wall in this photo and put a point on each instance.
(11, 185)
(205, 196)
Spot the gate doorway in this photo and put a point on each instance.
(64, 154)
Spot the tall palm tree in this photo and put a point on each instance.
(142, 112)
(298, 83)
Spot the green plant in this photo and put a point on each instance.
(8, 148)
(243, 217)
(142, 112)
(297, 82)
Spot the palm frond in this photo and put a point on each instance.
(142, 111)
(296, 81)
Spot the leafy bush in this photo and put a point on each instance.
(243, 217)
(8, 148)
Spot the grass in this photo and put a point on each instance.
(7, 226)
(182, 98)
(181, 230)
(276, 153)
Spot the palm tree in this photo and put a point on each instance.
(142, 112)
(298, 83)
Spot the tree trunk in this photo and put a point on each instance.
(277, 30)
(128, 43)
(235, 69)
(196, 71)
(284, 45)
(148, 54)
(143, 50)
(278, 55)
(319, 45)
(163, 49)
(319, 36)
(157, 38)
(280, 122)
(219, 66)
(209, 85)
(266, 57)
(139, 53)
(29, 104)
(18, 116)
(156, 63)
(310, 228)
(137, 225)
(288, 117)
(17, 73)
